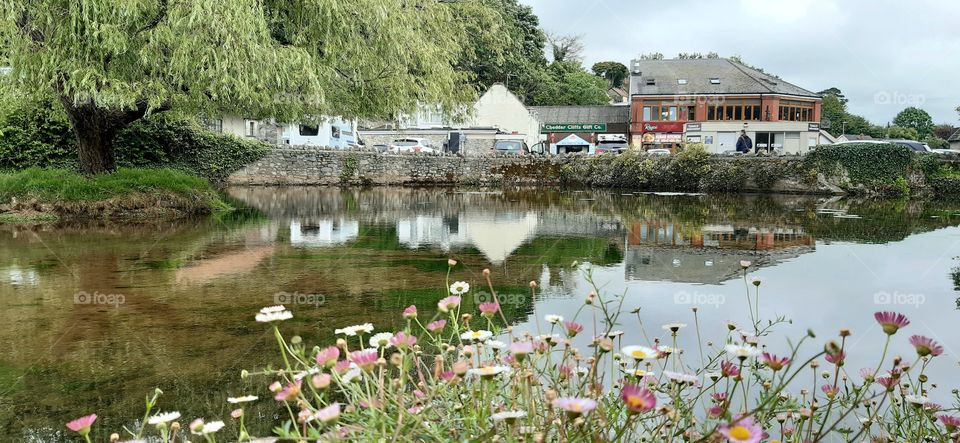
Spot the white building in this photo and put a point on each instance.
(330, 132)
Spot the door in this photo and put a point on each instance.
(726, 141)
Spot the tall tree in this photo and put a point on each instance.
(566, 48)
(568, 84)
(836, 92)
(112, 62)
(917, 119)
(616, 73)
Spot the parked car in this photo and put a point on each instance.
(945, 151)
(658, 152)
(381, 148)
(411, 145)
(913, 145)
(515, 147)
(612, 147)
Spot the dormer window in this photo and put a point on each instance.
(651, 82)
(681, 81)
(714, 81)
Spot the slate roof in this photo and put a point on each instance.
(581, 114)
(853, 137)
(735, 78)
(955, 137)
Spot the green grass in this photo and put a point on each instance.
(61, 185)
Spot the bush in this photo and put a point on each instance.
(865, 163)
(36, 133)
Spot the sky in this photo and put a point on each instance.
(884, 55)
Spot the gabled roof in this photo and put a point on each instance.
(734, 78)
(582, 114)
(955, 137)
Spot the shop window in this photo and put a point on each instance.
(646, 113)
(691, 113)
(795, 110)
(735, 110)
(673, 114)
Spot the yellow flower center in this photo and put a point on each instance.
(636, 402)
(638, 354)
(739, 433)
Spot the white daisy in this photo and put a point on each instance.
(509, 416)
(244, 399)
(351, 375)
(916, 399)
(742, 352)
(667, 350)
(165, 417)
(674, 327)
(210, 428)
(681, 377)
(614, 334)
(351, 331)
(550, 338)
(638, 352)
(459, 288)
(480, 335)
(273, 313)
(553, 319)
(488, 371)
(496, 345)
(381, 340)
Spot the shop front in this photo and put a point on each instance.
(661, 135)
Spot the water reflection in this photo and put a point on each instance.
(190, 287)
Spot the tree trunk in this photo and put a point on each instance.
(95, 128)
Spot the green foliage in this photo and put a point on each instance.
(936, 142)
(864, 163)
(34, 133)
(916, 119)
(902, 133)
(834, 110)
(724, 177)
(568, 84)
(615, 73)
(61, 185)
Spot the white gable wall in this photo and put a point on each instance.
(499, 108)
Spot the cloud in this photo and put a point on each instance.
(863, 47)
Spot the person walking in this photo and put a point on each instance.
(744, 144)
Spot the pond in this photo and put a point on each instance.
(95, 316)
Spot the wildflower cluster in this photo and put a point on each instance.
(456, 377)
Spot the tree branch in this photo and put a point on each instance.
(161, 14)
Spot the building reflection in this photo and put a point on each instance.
(667, 251)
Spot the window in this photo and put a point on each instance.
(796, 111)
(646, 113)
(691, 113)
(667, 110)
(734, 110)
(309, 130)
(681, 81)
(651, 82)
(335, 131)
(714, 81)
(251, 128)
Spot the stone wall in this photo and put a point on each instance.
(295, 165)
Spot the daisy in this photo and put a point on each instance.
(351, 375)
(210, 428)
(448, 304)
(163, 418)
(887, 382)
(745, 264)
(365, 359)
(916, 399)
(496, 345)
(742, 430)
(410, 312)
(289, 392)
(639, 352)
(638, 400)
(403, 340)
(244, 399)
(891, 321)
(459, 288)
(673, 327)
(381, 340)
(774, 362)
(521, 349)
(329, 413)
(951, 422)
(553, 318)
(488, 309)
(575, 406)
(508, 416)
(436, 325)
(573, 328)
(926, 346)
(272, 314)
(488, 372)
(742, 352)
(681, 377)
(728, 369)
(352, 331)
(614, 334)
(82, 424)
(328, 356)
(480, 335)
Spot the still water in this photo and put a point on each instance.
(93, 317)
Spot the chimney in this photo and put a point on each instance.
(635, 67)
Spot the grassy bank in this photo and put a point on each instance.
(37, 194)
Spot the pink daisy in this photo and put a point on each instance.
(365, 359)
(742, 430)
(289, 392)
(410, 312)
(437, 325)
(891, 321)
(403, 340)
(830, 390)
(449, 303)
(637, 399)
(328, 356)
(774, 362)
(573, 328)
(887, 382)
(836, 359)
(926, 346)
(82, 424)
(489, 309)
(729, 369)
(575, 406)
(951, 422)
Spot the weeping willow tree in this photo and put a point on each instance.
(113, 62)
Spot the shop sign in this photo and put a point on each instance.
(693, 127)
(667, 138)
(813, 127)
(574, 127)
(663, 127)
